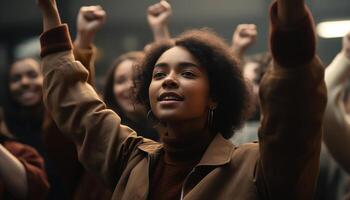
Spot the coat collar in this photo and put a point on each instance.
(219, 151)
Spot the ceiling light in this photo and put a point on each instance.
(333, 29)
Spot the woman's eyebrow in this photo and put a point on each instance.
(187, 64)
(161, 65)
(181, 64)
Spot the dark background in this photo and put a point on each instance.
(126, 27)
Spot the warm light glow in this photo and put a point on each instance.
(333, 29)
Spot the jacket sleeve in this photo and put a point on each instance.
(336, 122)
(104, 145)
(87, 59)
(33, 163)
(293, 98)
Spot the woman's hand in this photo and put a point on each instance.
(90, 19)
(243, 37)
(158, 16)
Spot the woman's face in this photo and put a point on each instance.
(179, 90)
(123, 89)
(26, 82)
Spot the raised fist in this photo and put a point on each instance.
(90, 19)
(158, 14)
(243, 37)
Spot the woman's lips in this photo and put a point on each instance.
(170, 97)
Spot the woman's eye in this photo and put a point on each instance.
(159, 75)
(32, 74)
(188, 74)
(120, 80)
(15, 78)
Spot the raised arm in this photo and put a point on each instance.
(103, 144)
(51, 17)
(293, 98)
(158, 16)
(336, 122)
(90, 19)
(243, 37)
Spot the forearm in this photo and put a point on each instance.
(84, 41)
(338, 72)
(13, 174)
(161, 33)
(336, 125)
(51, 17)
(238, 52)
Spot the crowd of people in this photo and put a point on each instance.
(187, 117)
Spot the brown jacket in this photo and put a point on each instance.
(284, 165)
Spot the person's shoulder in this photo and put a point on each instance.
(246, 153)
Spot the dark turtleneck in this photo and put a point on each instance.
(179, 158)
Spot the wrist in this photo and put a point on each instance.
(51, 18)
(238, 51)
(160, 33)
(84, 40)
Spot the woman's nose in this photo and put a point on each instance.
(25, 80)
(170, 82)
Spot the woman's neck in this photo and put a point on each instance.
(184, 142)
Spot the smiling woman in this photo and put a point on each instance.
(22, 88)
(26, 82)
(119, 95)
(195, 66)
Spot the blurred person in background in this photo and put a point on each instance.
(119, 91)
(26, 119)
(22, 171)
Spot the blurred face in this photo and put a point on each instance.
(179, 90)
(122, 89)
(26, 82)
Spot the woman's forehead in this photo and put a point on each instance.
(24, 66)
(176, 55)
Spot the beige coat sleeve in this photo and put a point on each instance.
(104, 145)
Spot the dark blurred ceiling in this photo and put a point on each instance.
(126, 19)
